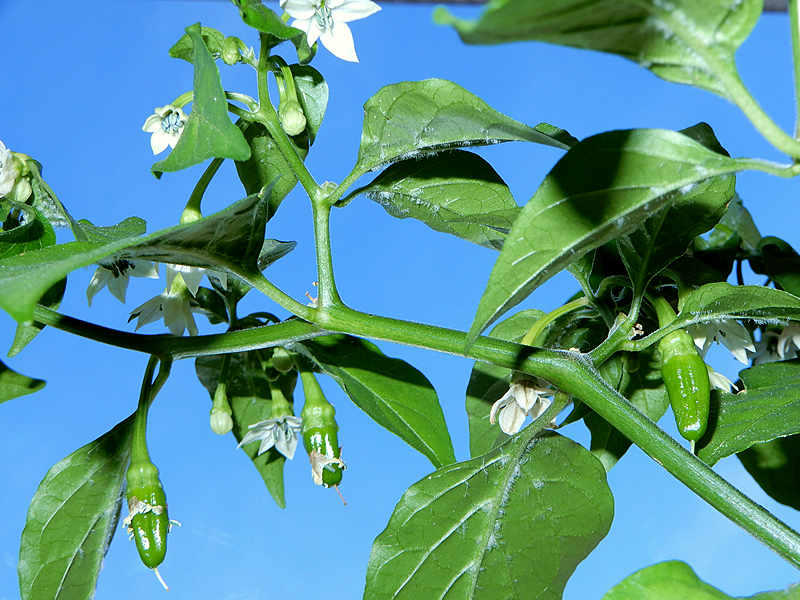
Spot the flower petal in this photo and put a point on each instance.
(511, 418)
(344, 11)
(339, 42)
(299, 9)
(98, 282)
(118, 286)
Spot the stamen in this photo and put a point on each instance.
(161, 579)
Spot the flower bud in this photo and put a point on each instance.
(292, 118)
(221, 422)
(230, 51)
(282, 360)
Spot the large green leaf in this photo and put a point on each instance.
(230, 237)
(666, 235)
(392, 392)
(72, 518)
(31, 231)
(250, 399)
(775, 465)
(513, 523)
(604, 187)
(779, 261)
(455, 192)
(673, 579)
(406, 120)
(684, 41)
(209, 132)
(725, 301)
(14, 385)
(488, 383)
(768, 408)
(26, 332)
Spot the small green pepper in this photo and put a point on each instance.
(147, 522)
(320, 433)
(686, 379)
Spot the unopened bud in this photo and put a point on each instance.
(292, 118)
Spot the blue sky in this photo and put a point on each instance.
(80, 78)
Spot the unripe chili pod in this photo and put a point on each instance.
(147, 521)
(320, 434)
(686, 378)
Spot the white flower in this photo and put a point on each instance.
(173, 305)
(8, 170)
(522, 399)
(282, 433)
(117, 275)
(731, 334)
(789, 335)
(166, 125)
(719, 381)
(193, 275)
(327, 20)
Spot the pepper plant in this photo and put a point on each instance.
(647, 221)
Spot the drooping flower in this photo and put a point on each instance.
(166, 125)
(8, 170)
(719, 381)
(282, 433)
(523, 398)
(790, 335)
(193, 275)
(731, 334)
(327, 20)
(116, 276)
(173, 305)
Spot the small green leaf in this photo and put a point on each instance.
(604, 187)
(258, 16)
(779, 261)
(684, 41)
(13, 384)
(209, 132)
(130, 227)
(184, 47)
(30, 231)
(26, 332)
(251, 402)
(513, 523)
(775, 465)
(768, 408)
(455, 192)
(392, 392)
(312, 93)
(488, 383)
(674, 579)
(725, 301)
(233, 236)
(409, 119)
(72, 518)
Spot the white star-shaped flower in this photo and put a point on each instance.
(790, 335)
(8, 170)
(522, 399)
(193, 275)
(282, 433)
(116, 276)
(326, 20)
(166, 125)
(173, 305)
(731, 334)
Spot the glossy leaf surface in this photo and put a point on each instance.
(14, 385)
(775, 465)
(513, 523)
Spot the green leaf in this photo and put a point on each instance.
(725, 301)
(72, 518)
(642, 385)
(392, 392)
(674, 579)
(233, 236)
(312, 93)
(409, 119)
(130, 227)
(684, 41)
(667, 234)
(513, 523)
(258, 16)
(775, 466)
(13, 384)
(455, 192)
(780, 262)
(488, 383)
(209, 132)
(29, 231)
(251, 402)
(768, 408)
(604, 187)
(26, 332)
(184, 47)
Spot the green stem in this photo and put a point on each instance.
(794, 27)
(532, 338)
(244, 99)
(328, 295)
(147, 394)
(777, 169)
(192, 211)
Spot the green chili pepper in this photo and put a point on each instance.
(320, 433)
(686, 379)
(147, 522)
